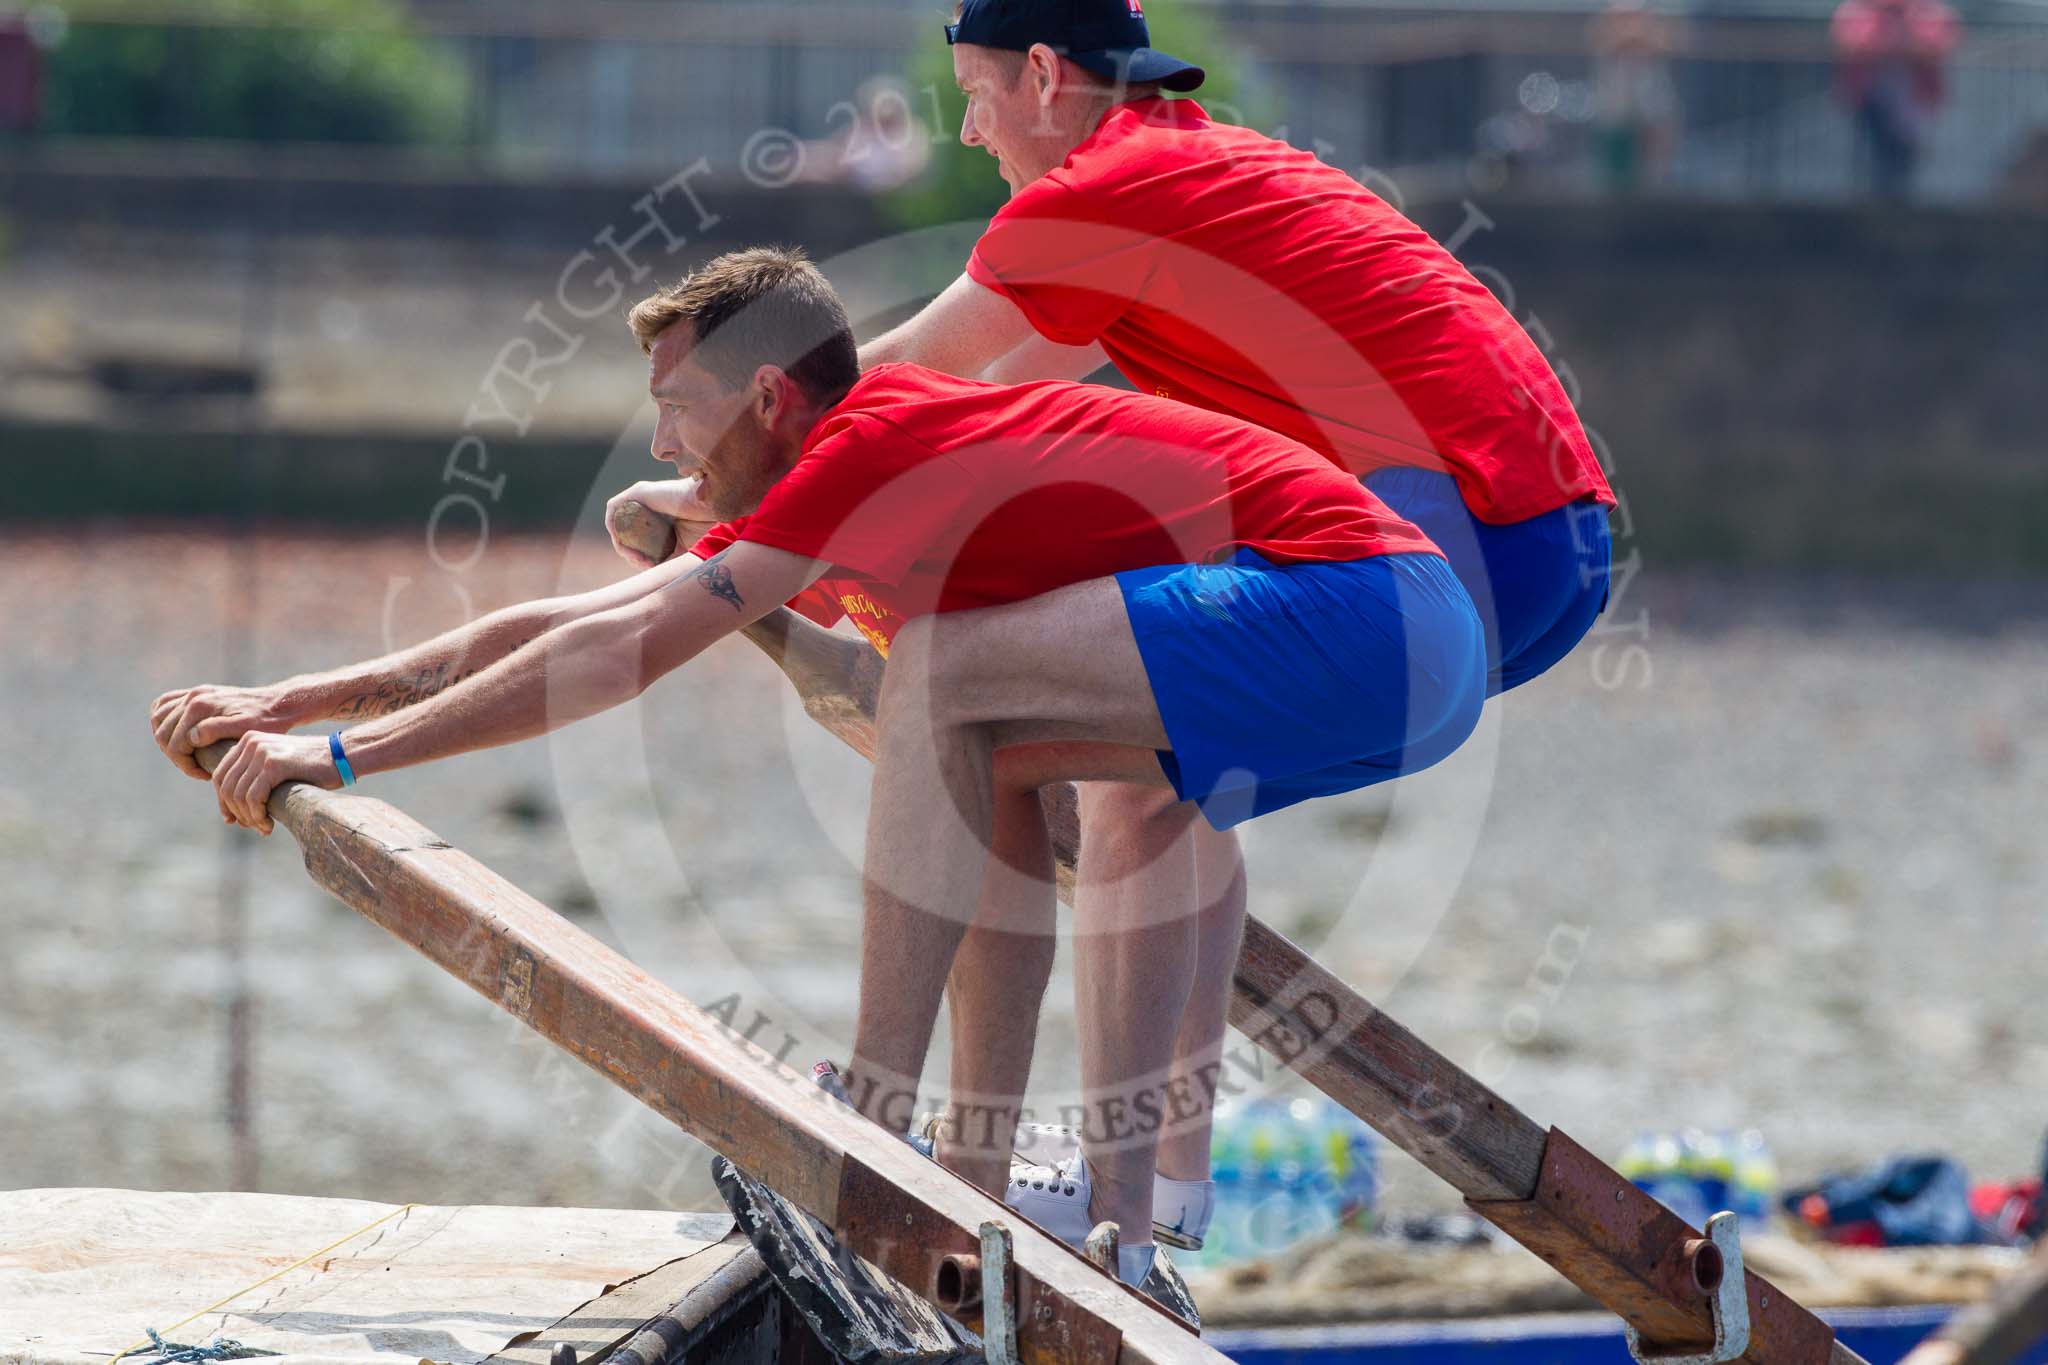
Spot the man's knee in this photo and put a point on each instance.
(1219, 865)
(1038, 660)
(924, 681)
(1126, 807)
(1130, 831)
(931, 665)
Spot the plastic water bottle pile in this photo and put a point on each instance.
(1695, 1173)
(1286, 1170)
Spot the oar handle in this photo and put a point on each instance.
(643, 530)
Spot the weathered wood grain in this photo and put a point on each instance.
(857, 1311)
(1998, 1330)
(620, 1313)
(837, 678)
(1361, 1057)
(639, 527)
(1628, 1251)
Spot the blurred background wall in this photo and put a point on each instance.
(309, 211)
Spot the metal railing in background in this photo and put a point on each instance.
(626, 87)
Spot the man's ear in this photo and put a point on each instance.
(775, 394)
(1043, 72)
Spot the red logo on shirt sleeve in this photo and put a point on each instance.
(1137, 10)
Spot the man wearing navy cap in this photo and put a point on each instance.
(1110, 40)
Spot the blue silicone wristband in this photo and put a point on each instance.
(348, 774)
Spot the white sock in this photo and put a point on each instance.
(1134, 1263)
(1183, 1205)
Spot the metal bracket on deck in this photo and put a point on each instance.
(1689, 1298)
(1729, 1306)
(998, 1297)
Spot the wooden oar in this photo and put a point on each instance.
(1628, 1252)
(1997, 1331)
(883, 1201)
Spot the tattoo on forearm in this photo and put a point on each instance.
(717, 580)
(409, 689)
(395, 694)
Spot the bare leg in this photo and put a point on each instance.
(995, 990)
(1062, 667)
(997, 985)
(931, 814)
(999, 975)
(1198, 1050)
(1134, 965)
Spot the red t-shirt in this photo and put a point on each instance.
(930, 493)
(1225, 269)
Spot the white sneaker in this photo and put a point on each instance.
(1054, 1197)
(1181, 1209)
(1044, 1144)
(1033, 1144)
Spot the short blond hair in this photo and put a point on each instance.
(765, 305)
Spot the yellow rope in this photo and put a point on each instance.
(265, 1280)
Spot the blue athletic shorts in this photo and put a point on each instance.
(1537, 584)
(1281, 682)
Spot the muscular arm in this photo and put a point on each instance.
(380, 687)
(590, 663)
(963, 331)
(1042, 359)
(192, 717)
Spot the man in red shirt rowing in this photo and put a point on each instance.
(1102, 586)
(1234, 273)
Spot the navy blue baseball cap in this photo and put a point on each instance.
(1107, 37)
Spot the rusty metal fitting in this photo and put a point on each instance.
(1690, 1272)
(956, 1284)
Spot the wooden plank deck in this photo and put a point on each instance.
(717, 1306)
(607, 1322)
